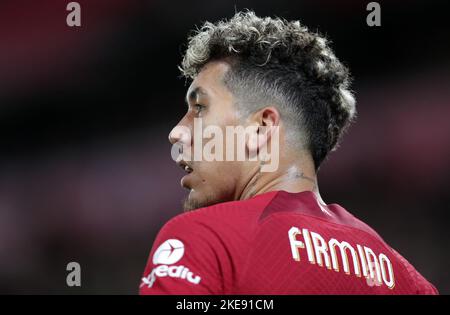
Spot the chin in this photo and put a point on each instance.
(197, 200)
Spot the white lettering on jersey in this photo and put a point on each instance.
(376, 269)
(168, 253)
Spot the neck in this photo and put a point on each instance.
(292, 177)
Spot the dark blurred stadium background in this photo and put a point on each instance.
(85, 167)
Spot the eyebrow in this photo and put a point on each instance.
(196, 92)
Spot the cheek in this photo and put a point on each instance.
(221, 116)
(218, 176)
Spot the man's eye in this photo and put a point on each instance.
(198, 108)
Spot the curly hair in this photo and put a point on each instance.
(282, 63)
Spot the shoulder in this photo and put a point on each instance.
(421, 285)
(207, 245)
(222, 219)
(222, 231)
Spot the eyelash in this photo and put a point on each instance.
(198, 108)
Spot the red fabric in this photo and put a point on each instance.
(243, 247)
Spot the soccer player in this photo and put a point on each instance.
(249, 231)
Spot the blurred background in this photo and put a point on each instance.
(85, 167)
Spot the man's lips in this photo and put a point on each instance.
(185, 180)
(185, 166)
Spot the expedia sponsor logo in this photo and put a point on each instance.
(169, 252)
(180, 272)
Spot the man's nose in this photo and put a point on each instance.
(180, 134)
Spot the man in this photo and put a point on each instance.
(252, 231)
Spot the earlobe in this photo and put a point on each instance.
(257, 139)
(252, 142)
(266, 119)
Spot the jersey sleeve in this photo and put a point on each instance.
(187, 257)
(423, 287)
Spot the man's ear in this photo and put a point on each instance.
(264, 121)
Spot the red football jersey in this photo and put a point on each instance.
(276, 243)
